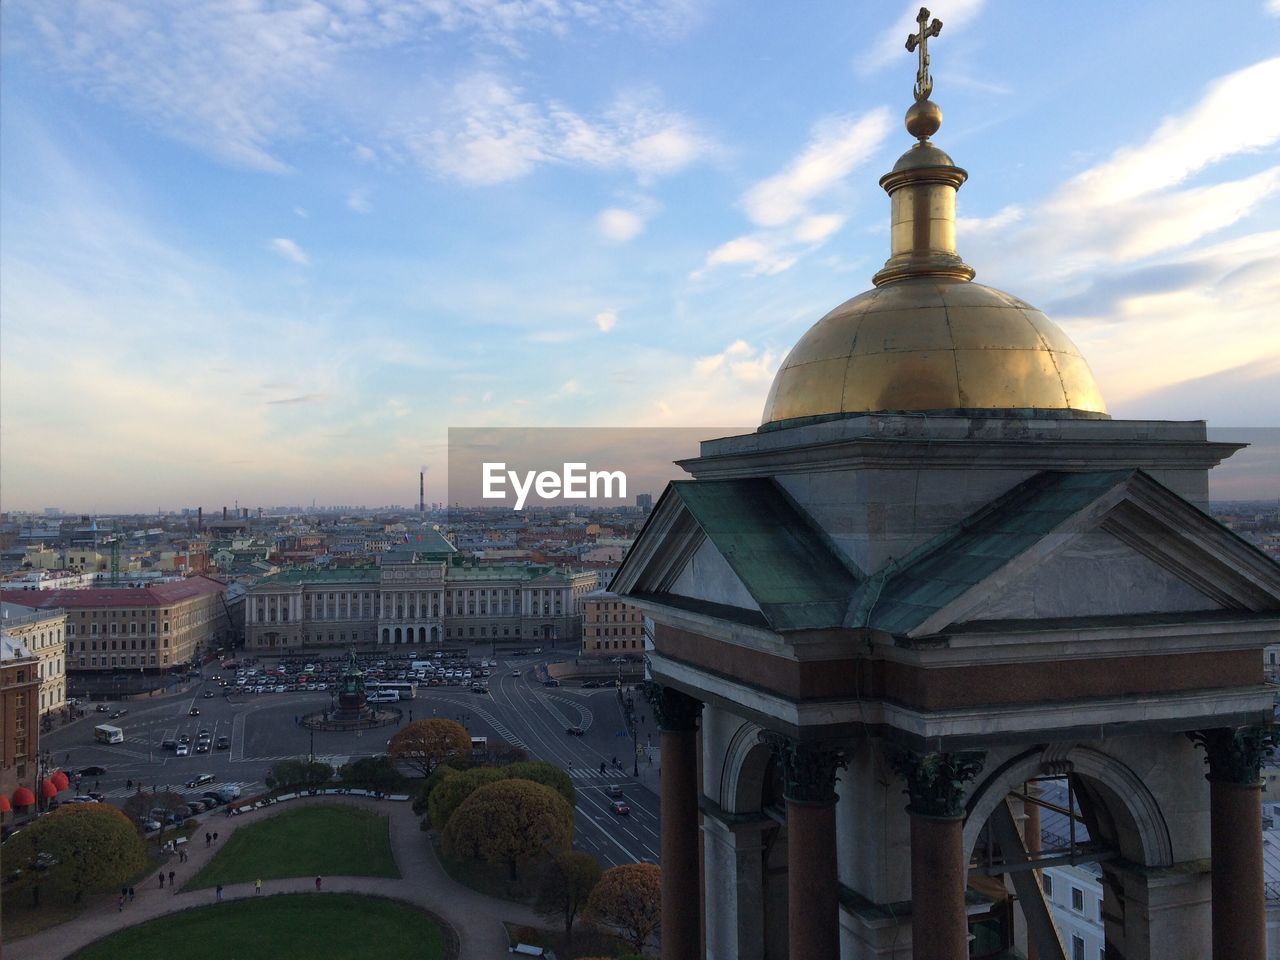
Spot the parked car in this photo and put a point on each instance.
(149, 824)
(102, 708)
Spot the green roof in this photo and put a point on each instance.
(317, 575)
(906, 593)
(798, 579)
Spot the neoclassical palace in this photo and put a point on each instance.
(422, 592)
(936, 577)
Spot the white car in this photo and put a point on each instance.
(181, 750)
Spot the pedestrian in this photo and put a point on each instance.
(215, 836)
(124, 892)
(161, 879)
(219, 893)
(602, 768)
(68, 760)
(131, 894)
(257, 887)
(317, 884)
(128, 784)
(208, 838)
(171, 878)
(120, 904)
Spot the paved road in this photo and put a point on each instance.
(263, 730)
(477, 919)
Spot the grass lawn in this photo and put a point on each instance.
(316, 926)
(334, 841)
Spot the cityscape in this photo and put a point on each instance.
(582, 481)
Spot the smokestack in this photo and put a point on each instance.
(224, 513)
(199, 518)
(422, 491)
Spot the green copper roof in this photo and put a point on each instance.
(787, 565)
(316, 575)
(905, 594)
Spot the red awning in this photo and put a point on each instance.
(5, 806)
(47, 790)
(22, 797)
(60, 780)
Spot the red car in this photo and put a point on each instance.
(620, 808)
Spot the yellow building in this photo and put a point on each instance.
(611, 627)
(43, 633)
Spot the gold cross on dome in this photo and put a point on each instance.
(924, 83)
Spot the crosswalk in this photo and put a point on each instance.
(593, 773)
(123, 793)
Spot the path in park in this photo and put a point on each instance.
(476, 918)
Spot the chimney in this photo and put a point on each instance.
(224, 513)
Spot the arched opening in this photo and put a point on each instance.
(386, 634)
(422, 634)
(399, 635)
(1051, 851)
(435, 634)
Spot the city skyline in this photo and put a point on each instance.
(272, 253)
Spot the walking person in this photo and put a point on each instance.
(257, 887)
(171, 880)
(162, 880)
(317, 884)
(219, 893)
(208, 838)
(131, 894)
(215, 836)
(120, 904)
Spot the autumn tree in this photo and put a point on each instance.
(139, 806)
(629, 898)
(425, 744)
(511, 822)
(566, 888)
(450, 792)
(77, 849)
(547, 774)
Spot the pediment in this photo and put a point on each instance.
(707, 576)
(1091, 574)
(1071, 545)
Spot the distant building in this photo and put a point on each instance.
(43, 633)
(152, 627)
(423, 592)
(19, 718)
(610, 626)
(644, 501)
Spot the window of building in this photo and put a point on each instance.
(1077, 899)
(1046, 882)
(1077, 948)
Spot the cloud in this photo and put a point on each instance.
(969, 226)
(242, 80)
(619, 225)
(491, 133)
(358, 200)
(606, 320)
(890, 46)
(741, 362)
(837, 146)
(304, 398)
(1136, 204)
(290, 250)
(782, 201)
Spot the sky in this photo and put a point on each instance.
(269, 251)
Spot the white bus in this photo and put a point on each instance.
(404, 689)
(106, 733)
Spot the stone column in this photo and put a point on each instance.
(1238, 907)
(935, 785)
(677, 717)
(813, 899)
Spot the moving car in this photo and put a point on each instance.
(193, 712)
(224, 743)
(118, 713)
(201, 780)
(93, 771)
(208, 694)
(182, 750)
(574, 731)
(614, 790)
(620, 808)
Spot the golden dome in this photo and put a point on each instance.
(933, 343)
(928, 339)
